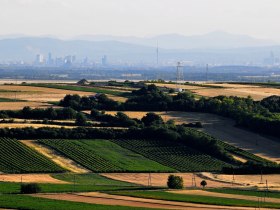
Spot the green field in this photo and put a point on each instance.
(105, 156)
(173, 154)
(33, 203)
(258, 193)
(196, 199)
(90, 179)
(81, 88)
(15, 157)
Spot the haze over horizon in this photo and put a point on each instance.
(71, 18)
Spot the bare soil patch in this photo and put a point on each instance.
(30, 178)
(56, 157)
(160, 179)
(105, 199)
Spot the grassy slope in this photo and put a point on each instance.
(124, 158)
(173, 154)
(15, 157)
(33, 203)
(194, 199)
(105, 156)
(82, 88)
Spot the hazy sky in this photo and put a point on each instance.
(258, 18)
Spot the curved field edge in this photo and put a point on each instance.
(163, 195)
(35, 203)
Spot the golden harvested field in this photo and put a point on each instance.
(273, 180)
(159, 179)
(34, 125)
(20, 105)
(256, 92)
(40, 94)
(30, 178)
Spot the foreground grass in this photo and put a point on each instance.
(80, 88)
(33, 203)
(162, 195)
(258, 193)
(90, 179)
(14, 188)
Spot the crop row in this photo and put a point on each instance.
(15, 157)
(82, 155)
(173, 154)
(242, 153)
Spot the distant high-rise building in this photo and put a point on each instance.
(104, 60)
(50, 60)
(39, 59)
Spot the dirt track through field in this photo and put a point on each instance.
(56, 157)
(105, 199)
(223, 195)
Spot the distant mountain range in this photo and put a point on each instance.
(214, 40)
(216, 47)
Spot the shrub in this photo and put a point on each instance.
(30, 188)
(175, 182)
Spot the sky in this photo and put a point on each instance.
(67, 18)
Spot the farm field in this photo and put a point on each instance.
(38, 96)
(104, 155)
(159, 179)
(224, 129)
(257, 92)
(15, 157)
(35, 202)
(201, 199)
(250, 180)
(20, 105)
(173, 154)
(224, 195)
(133, 202)
(56, 157)
(112, 93)
(31, 178)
